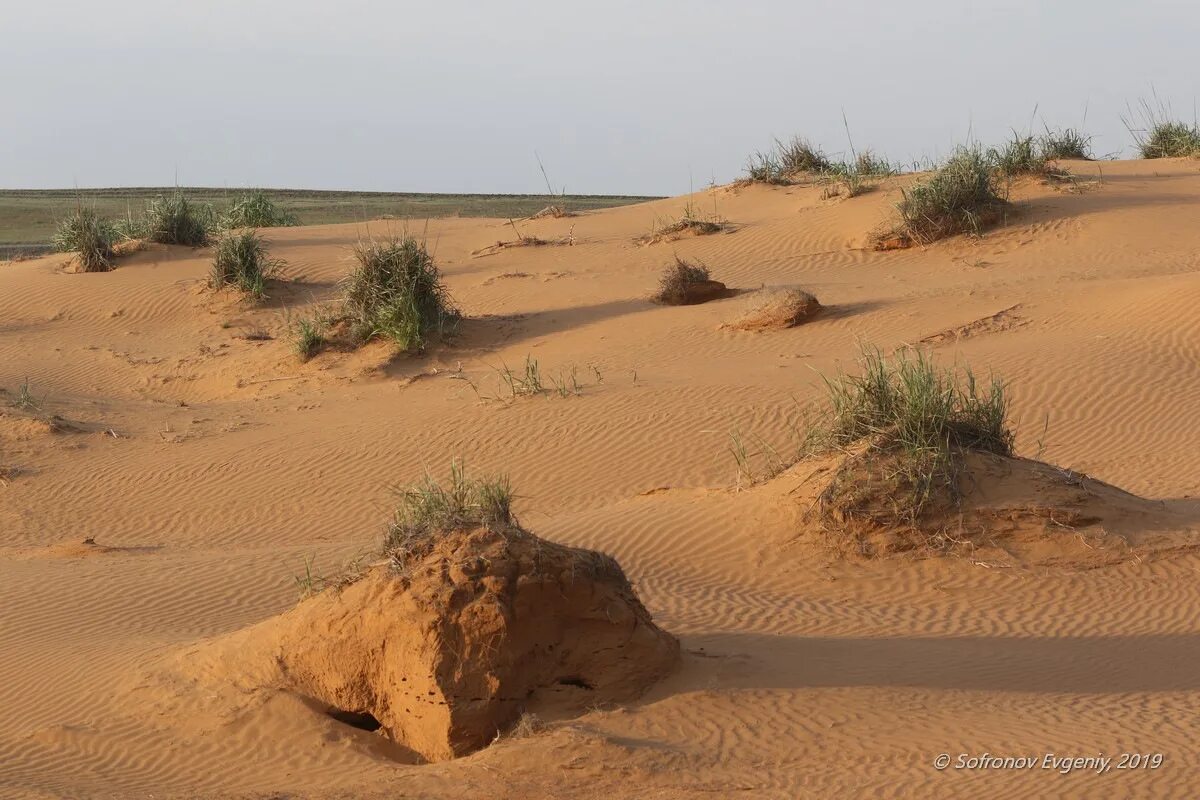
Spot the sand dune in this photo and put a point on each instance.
(206, 465)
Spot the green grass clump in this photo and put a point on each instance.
(91, 238)
(1066, 143)
(173, 219)
(962, 196)
(429, 508)
(916, 420)
(1170, 139)
(1021, 155)
(1159, 134)
(257, 210)
(396, 292)
(911, 400)
(241, 260)
(308, 337)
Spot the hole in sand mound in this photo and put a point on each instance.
(572, 680)
(356, 719)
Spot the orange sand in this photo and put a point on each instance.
(208, 467)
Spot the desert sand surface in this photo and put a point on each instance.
(181, 470)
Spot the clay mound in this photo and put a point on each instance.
(774, 309)
(445, 651)
(1001, 508)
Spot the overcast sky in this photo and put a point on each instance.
(616, 96)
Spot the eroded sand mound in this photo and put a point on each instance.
(447, 650)
(774, 308)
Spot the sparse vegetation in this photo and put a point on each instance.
(429, 508)
(396, 292)
(174, 219)
(786, 162)
(691, 221)
(678, 281)
(523, 240)
(526, 383)
(1021, 155)
(908, 422)
(241, 260)
(1066, 143)
(799, 160)
(765, 168)
(257, 210)
(529, 381)
(867, 163)
(528, 724)
(799, 155)
(308, 336)
(1159, 134)
(91, 238)
(962, 196)
(25, 399)
(1169, 139)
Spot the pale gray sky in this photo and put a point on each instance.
(616, 96)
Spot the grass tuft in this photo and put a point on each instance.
(914, 418)
(91, 238)
(868, 163)
(173, 219)
(1021, 155)
(25, 399)
(1170, 139)
(396, 292)
(1159, 135)
(799, 155)
(765, 168)
(962, 196)
(257, 210)
(308, 336)
(241, 261)
(1066, 143)
(429, 508)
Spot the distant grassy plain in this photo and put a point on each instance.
(28, 216)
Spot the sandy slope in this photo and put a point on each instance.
(208, 467)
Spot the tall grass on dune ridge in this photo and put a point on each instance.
(962, 196)
(1158, 134)
(396, 292)
(91, 238)
(1066, 143)
(1020, 155)
(241, 260)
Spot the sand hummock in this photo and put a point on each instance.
(446, 651)
(860, 502)
(774, 308)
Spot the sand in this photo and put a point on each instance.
(207, 468)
